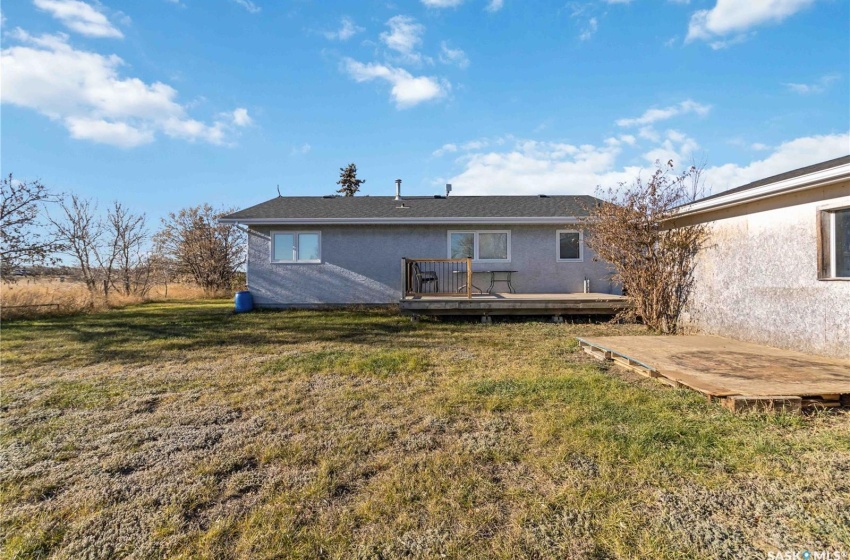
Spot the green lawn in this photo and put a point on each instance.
(181, 430)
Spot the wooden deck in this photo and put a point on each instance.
(741, 374)
(515, 304)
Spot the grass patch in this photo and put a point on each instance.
(379, 363)
(182, 430)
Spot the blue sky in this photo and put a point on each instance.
(165, 103)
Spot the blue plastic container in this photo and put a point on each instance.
(244, 302)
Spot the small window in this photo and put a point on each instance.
(834, 250)
(296, 247)
(570, 246)
(482, 246)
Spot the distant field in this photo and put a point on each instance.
(39, 297)
(181, 430)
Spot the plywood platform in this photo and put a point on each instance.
(731, 370)
(515, 304)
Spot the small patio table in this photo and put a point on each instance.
(463, 288)
(506, 279)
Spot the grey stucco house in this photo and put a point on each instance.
(311, 251)
(777, 268)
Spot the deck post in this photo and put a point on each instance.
(403, 277)
(468, 278)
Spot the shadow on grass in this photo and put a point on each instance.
(146, 331)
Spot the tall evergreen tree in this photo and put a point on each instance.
(348, 181)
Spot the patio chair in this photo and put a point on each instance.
(421, 278)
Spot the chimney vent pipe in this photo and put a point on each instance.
(398, 189)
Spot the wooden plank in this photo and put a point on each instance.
(820, 403)
(438, 260)
(724, 367)
(769, 403)
(469, 278)
(404, 291)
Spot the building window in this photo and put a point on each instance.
(569, 245)
(296, 247)
(482, 246)
(834, 250)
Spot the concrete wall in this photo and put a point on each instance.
(757, 280)
(362, 264)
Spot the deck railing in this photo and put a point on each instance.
(436, 277)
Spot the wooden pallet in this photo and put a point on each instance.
(734, 402)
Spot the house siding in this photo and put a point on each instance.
(362, 264)
(757, 279)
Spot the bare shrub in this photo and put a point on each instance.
(654, 265)
(209, 252)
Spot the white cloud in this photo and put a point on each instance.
(444, 149)
(675, 146)
(80, 17)
(589, 29)
(407, 90)
(472, 145)
(347, 30)
(819, 86)
(533, 167)
(793, 154)
(241, 117)
(495, 5)
(759, 147)
(734, 17)
(114, 133)
(248, 5)
(84, 91)
(651, 116)
(404, 37)
(449, 55)
(301, 150)
(442, 3)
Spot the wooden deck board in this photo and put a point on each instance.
(517, 304)
(721, 367)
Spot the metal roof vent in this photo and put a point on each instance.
(398, 189)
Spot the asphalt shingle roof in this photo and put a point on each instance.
(365, 207)
(782, 177)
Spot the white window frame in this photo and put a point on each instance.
(558, 245)
(833, 246)
(295, 234)
(476, 232)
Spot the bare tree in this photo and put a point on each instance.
(80, 231)
(126, 259)
(654, 265)
(210, 252)
(21, 225)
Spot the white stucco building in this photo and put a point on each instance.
(777, 268)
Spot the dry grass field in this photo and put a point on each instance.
(181, 430)
(39, 297)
